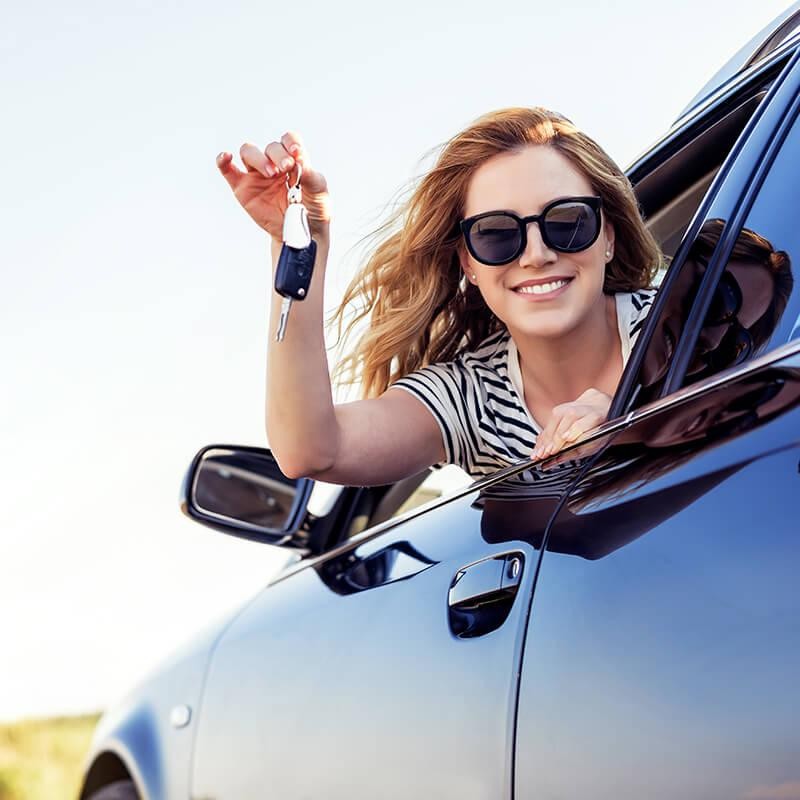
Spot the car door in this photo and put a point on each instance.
(664, 649)
(387, 668)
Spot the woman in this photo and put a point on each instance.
(493, 336)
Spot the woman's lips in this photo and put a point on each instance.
(542, 289)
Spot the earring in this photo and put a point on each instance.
(608, 254)
(474, 276)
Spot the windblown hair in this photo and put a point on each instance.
(420, 308)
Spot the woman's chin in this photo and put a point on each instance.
(547, 326)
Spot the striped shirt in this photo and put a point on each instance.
(477, 399)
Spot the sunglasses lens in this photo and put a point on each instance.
(495, 239)
(726, 302)
(571, 226)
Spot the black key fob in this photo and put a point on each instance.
(295, 267)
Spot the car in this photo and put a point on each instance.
(620, 620)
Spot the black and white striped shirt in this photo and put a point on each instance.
(477, 399)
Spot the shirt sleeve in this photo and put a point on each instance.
(442, 389)
(641, 303)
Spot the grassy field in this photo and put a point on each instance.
(42, 759)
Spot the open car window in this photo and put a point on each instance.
(740, 320)
(735, 296)
(756, 302)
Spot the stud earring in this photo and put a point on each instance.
(608, 254)
(474, 276)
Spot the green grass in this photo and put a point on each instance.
(41, 759)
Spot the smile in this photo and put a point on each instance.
(542, 289)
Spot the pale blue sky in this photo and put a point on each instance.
(133, 314)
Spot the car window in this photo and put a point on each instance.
(671, 181)
(756, 306)
(751, 309)
(438, 483)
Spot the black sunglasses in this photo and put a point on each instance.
(737, 344)
(568, 225)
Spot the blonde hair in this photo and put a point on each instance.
(420, 310)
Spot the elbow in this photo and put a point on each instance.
(308, 456)
(296, 463)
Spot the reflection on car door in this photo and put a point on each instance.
(664, 649)
(387, 669)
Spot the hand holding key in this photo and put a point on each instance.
(298, 254)
(261, 189)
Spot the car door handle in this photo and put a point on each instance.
(481, 594)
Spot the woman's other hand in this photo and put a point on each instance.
(261, 189)
(570, 421)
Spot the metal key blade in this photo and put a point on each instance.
(286, 305)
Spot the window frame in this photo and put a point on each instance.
(736, 184)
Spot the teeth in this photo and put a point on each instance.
(541, 288)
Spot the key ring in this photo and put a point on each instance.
(299, 175)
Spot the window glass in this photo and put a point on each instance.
(756, 306)
(438, 483)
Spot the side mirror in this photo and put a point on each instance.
(241, 491)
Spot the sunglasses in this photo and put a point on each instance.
(737, 344)
(568, 225)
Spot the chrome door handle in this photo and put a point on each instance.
(488, 581)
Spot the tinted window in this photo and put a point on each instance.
(756, 305)
(764, 259)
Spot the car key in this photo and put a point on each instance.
(296, 261)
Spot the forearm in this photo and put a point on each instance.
(300, 418)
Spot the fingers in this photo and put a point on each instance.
(229, 170)
(567, 424)
(275, 159)
(569, 421)
(569, 427)
(311, 181)
(255, 161)
(551, 438)
(292, 143)
(279, 157)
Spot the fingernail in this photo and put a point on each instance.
(294, 149)
(270, 171)
(221, 156)
(286, 163)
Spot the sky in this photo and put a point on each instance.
(133, 314)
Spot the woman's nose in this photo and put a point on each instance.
(536, 252)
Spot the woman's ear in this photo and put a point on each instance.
(466, 268)
(608, 229)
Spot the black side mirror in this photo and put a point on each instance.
(241, 491)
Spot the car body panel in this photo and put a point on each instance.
(350, 678)
(138, 730)
(664, 661)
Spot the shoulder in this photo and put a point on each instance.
(460, 386)
(490, 354)
(634, 307)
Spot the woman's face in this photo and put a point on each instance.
(525, 181)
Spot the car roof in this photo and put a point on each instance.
(782, 33)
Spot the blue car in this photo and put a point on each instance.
(621, 620)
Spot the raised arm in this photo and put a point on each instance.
(367, 442)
